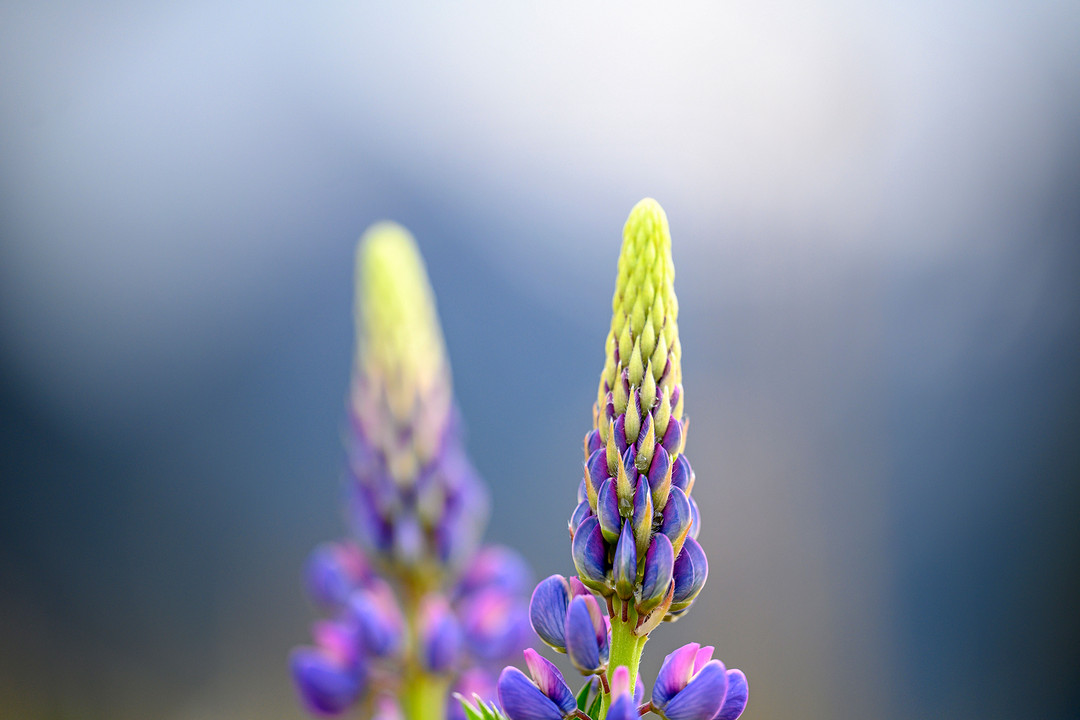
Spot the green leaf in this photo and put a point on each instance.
(477, 709)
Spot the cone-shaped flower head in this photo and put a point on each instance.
(637, 481)
(417, 501)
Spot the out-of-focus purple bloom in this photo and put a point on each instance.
(376, 613)
(326, 686)
(333, 571)
(387, 708)
(439, 635)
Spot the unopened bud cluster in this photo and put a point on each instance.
(415, 612)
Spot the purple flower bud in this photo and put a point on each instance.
(690, 686)
(333, 571)
(623, 705)
(494, 623)
(682, 475)
(439, 635)
(660, 477)
(690, 572)
(587, 641)
(581, 512)
(495, 566)
(624, 568)
(370, 525)
(521, 699)
(378, 617)
(673, 438)
(550, 681)
(659, 566)
(676, 522)
(325, 686)
(607, 511)
(642, 517)
(547, 611)
(590, 554)
(738, 693)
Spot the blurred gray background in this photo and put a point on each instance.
(875, 212)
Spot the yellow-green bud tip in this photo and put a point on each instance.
(645, 311)
(399, 341)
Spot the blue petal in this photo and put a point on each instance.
(547, 611)
(674, 674)
(581, 641)
(550, 681)
(682, 475)
(660, 476)
(676, 522)
(590, 553)
(673, 438)
(703, 695)
(738, 692)
(607, 511)
(581, 512)
(659, 565)
(522, 700)
(624, 569)
(691, 571)
(596, 468)
(622, 709)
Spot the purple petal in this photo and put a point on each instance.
(607, 511)
(387, 708)
(622, 708)
(691, 570)
(581, 636)
(660, 477)
(659, 565)
(624, 569)
(642, 516)
(325, 688)
(620, 681)
(674, 674)
(550, 681)
(702, 696)
(620, 434)
(704, 655)
(495, 566)
(673, 438)
(547, 611)
(333, 571)
(676, 522)
(639, 690)
(695, 519)
(738, 692)
(596, 469)
(493, 623)
(590, 553)
(522, 700)
(682, 476)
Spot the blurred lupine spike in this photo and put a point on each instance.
(428, 606)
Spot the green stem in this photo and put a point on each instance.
(422, 695)
(626, 648)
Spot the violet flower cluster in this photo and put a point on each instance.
(635, 526)
(416, 612)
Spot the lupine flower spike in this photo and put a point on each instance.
(416, 612)
(634, 530)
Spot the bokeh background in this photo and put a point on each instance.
(876, 215)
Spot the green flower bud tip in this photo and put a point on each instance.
(642, 348)
(402, 375)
